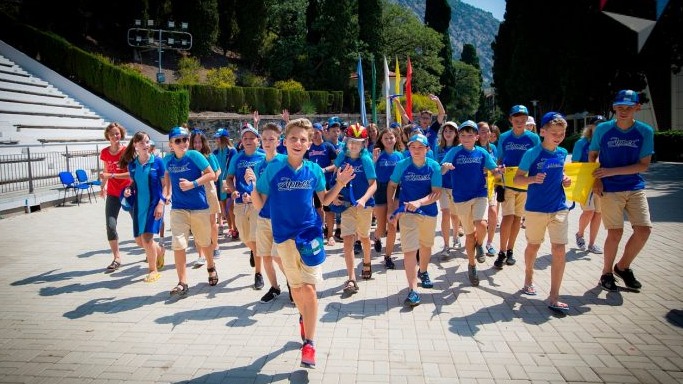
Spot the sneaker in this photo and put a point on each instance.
(628, 277)
(373, 223)
(216, 254)
(235, 234)
(472, 275)
(199, 262)
(595, 249)
(413, 299)
(445, 253)
(251, 259)
(490, 250)
(357, 247)
(258, 281)
(301, 329)
(308, 355)
(481, 257)
(509, 259)
(457, 243)
(499, 261)
(426, 281)
(580, 242)
(337, 234)
(608, 283)
(378, 245)
(389, 263)
(271, 294)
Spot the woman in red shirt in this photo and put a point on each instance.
(114, 180)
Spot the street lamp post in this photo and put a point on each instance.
(171, 38)
(534, 102)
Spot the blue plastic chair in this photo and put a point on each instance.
(69, 183)
(82, 177)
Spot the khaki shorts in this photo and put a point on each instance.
(593, 204)
(356, 220)
(446, 199)
(183, 221)
(634, 203)
(265, 246)
(416, 231)
(245, 220)
(470, 211)
(296, 272)
(212, 198)
(557, 224)
(514, 202)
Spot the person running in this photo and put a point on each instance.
(591, 214)
(356, 219)
(114, 180)
(265, 246)
(386, 154)
(426, 123)
(542, 170)
(224, 153)
(146, 200)
(467, 164)
(448, 140)
(624, 147)
(420, 181)
(511, 147)
(323, 153)
(484, 136)
(297, 229)
(246, 215)
(201, 145)
(187, 173)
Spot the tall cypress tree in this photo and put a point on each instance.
(438, 17)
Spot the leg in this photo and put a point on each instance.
(365, 242)
(611, 247)
(514, 231)
(470, 241)
(633, 246)
(529, 260)
(270, 271)
(112, 206)
(410, 264)
(556, 272)
(584, 220)
(306, 302)
(348, 257)
(446, 227)
(493, 219)
(425, 257)
(180, 259)
(505, 228)
(148, 244)
(594, 228)
(329, 223)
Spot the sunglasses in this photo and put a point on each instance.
(181, 140)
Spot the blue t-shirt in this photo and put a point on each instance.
(188, 167)
(258, 171)
(239, 165)
(580, 152)
(323, 155)
(148, 190)
(511, 147)
(417, 182)
(385, 165)
(432, 133)
(446, 180)
(491, 149)
(213, 162)
(364, 169)
(291, 191)
(223, 156)
(547, 197)
(468, 178)
(619, 148)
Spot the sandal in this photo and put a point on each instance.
(559, 307)
(366, 273)
(350, 287)
(213, 276)
(114, 265)
(180, 289)
(331, 242)
(160, 258)
(152, 277)
(529, 290)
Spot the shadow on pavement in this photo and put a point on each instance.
(49, 277)
(675, 317)
(665, 182)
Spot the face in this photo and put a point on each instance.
(269, 140)
(389, 140)
(493, 136)
(425, 120)
(519, 122)
(449, 133)
(484, 132)
(372, 132)
(114, 135)
(354, 146)
(467, 139)
(197, 143)
(625, 112)
(418, 151)
(249, 142)
(555, 133)
(333, 133)
(297, 142)
(142, 145)
(180, 145)
(317, 135)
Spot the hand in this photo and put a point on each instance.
(391, 219)
(346, 174)
(539, 178)
(285, 115)
(566, 181)
(235, 194)
(337, 201)
(256, 118)
(249, 176)
(597, 187)
(603, 172)
(185, 185)
(127, 192)
(375, 154)
(433, 97)
(360, 203)
(447, 166)
(105, 175)
(103, 192)
(159, 211)
(246, 198)
(412, 206)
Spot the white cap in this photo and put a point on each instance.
(530, 121)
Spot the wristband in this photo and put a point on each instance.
(194, 182)
(163, 199)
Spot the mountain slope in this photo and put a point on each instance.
(469, 25)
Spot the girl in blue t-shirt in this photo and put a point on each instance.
(386, 154)
(201, 144)
(145, 197)
(187, 173)
(224, 153)
(448, 138)
(485, 135)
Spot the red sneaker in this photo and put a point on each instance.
(308, 356)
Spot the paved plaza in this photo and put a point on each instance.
(63, 320)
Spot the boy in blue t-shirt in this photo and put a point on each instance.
(511, 147)
(624, 147)
(289, 185)
(323, 153)
(420, 181)
(246, 215)
(467, 164)
(542, 169)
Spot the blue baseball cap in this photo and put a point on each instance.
(221, 132)
(519, 110)
(309, 243)
(178, 131)
(334, 120)
(318, 126)
(419, 138)
(626, 97)
(469, 123)
(550, 116)
(394, 125)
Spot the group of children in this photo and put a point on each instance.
(276, 198)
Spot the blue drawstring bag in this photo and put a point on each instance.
(310, 245)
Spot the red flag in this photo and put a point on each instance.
(602, 4)
(409, 90)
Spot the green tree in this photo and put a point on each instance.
(469, 56)
(287, 38)
(227, 25)
(251, 21)
(438, 17)
(202, 16)
(370, 25)
(467, 91)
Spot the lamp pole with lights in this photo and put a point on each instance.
(171, 38)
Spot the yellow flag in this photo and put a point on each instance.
(582, 181)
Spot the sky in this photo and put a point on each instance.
(497, 7)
